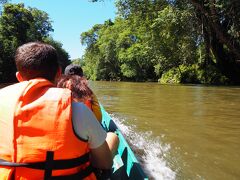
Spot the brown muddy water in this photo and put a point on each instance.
(181, 132)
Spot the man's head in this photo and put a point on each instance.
(73, 70)
(37, 60)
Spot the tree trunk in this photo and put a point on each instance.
(225, 48)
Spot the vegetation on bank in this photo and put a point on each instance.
(19, 25)
(177, 41)
(187, 41)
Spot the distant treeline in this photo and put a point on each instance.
(177, 41)
(19, 25)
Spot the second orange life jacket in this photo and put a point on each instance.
(94, 106)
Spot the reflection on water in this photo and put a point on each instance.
(201, 124)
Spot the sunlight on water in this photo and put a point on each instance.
(150, 153)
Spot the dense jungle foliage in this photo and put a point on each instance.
(19, 25)
(172, 41)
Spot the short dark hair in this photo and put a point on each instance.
(37, 59)
(73, 69)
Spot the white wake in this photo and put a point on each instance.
(150, 153)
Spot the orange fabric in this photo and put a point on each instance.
(35, 117)
(93, 104)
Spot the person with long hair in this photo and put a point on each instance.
(92, 103)
(82, 93)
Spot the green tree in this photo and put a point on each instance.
(220, 20)
(62, 54)
(175, 38)
(191, 36)
(19, 25)
(108, 66)
(14, 22)
(92, 54)
(41, 25)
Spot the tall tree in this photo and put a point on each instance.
(63, 56)
(14, 23)
(92, 53)
(221, 20)
(19, 25)
(203, 36)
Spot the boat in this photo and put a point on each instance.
(125, 163)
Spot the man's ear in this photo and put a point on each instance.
(19, 77)
(58, 74)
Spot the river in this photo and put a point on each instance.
(178, 132)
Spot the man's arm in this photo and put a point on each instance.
(101, 157)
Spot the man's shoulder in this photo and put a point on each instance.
(9, 95)
(11, 88)
(59, 93)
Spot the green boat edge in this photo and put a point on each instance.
(125, 163)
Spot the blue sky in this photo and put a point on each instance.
(71, 18)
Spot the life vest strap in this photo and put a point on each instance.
(57, 164)
(80, 175)
(51, 164)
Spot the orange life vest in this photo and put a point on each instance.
(37, 139)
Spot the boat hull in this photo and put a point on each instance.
(125, 163)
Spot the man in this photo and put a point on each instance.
(43, 133)
(73, 69)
